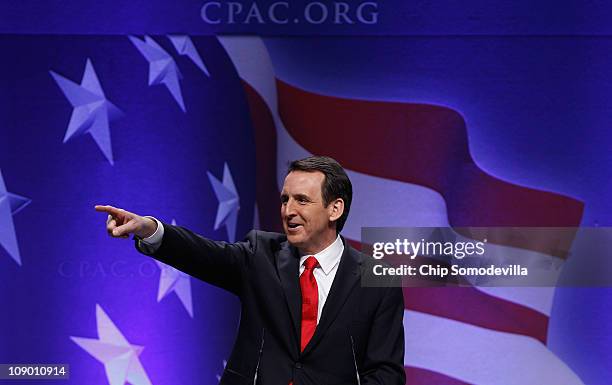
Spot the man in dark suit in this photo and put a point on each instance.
(305, 317)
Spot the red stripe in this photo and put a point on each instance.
(421, 144)
(267, 194)
(472, 306)
(419, 376)
(555, 241)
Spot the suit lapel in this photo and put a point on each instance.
(288, 270)
(346, 278)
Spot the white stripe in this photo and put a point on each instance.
(253, 64)
(480, 356)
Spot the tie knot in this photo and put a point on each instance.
(310, 263)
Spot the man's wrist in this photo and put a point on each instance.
(149, 228)
(156, 237)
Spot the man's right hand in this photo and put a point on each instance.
(121, 223)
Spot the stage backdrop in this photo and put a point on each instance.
(468, 115)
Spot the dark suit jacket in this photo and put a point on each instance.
(360, 330)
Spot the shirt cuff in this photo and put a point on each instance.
(153, 242)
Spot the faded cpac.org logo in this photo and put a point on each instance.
(282, 12)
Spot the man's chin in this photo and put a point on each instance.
(294, 239)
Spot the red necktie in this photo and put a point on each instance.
(310, 301)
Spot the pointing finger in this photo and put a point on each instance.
(108, 209)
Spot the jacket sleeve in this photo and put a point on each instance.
(384, 355)
(221, 264)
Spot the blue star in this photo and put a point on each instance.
(92, 111)
(184, 46)
(229, 202)
(119, 357)
(162, 67)
(173, 280)
(10, 204)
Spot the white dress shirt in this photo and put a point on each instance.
(324, 274)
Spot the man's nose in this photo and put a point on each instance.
(290, 208)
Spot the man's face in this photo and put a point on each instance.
(305, 218)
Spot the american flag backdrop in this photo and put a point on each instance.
(411, 166)
(198, 130)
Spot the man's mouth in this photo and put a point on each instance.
(293, 226)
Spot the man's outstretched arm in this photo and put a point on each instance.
(219, 263)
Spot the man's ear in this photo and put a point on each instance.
(336, 209)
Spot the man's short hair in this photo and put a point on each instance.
(335, 185)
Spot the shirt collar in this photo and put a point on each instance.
(329, 257)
